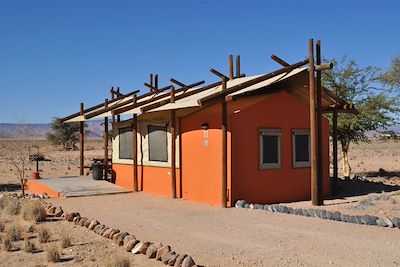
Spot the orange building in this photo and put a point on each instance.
(179, 144)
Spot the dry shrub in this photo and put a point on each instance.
(65, 240)
(31, 228)
(118, 261)
(14, 232)
(34, 211)
(43, 234)
(7, 243)
(53, 255)
(13, 207)
(2, 226)
(29, 246)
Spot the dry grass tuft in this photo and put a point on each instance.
(118, 261)
(31, 228)
(14, 232)
(53, 255)
(2, 226)
(28, 245)
(7, 243)
(65, 240)
(13, 207)
(34, 211)
(43, 234)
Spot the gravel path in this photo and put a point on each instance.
(241, 237)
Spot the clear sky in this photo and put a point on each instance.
(55, 54)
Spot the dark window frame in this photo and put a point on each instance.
(298, 163)
(269, 132)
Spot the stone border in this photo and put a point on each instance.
(324, 214)
(156, 251)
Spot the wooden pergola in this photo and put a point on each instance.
(158, 97)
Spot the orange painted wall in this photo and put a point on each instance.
(202, 165)
(156, 180)
(276, 111)
(35, 186)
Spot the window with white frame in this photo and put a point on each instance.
(158, 143)
(301, 148)
(270, 148)
(125, 143)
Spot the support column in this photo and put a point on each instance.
(238, 67)
(313, 128)
(135, 153)
(224, 129)
(320, 172)
(230, 67)
(106, 143)
(334, 150)
(173, 145)
(82, 143)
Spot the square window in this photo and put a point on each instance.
(301, 148)
(158, 149)
(125, 143)
(270, 146)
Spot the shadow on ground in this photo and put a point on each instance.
(10, 187)
(356, 187)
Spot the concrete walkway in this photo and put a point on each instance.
(77, 186)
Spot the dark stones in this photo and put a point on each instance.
(70, 216)
(380, 222)
(336, 216)
(93, 224)
(130, 244)
(240, 203)
(162, 252)
(167, 257)
(396, 222)
(152, 250)
(369, 220)
(179, 260)
(188, 262)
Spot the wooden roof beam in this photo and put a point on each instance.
(183, 95)
(219, 74)
(96, 106)
(280, 61)
(219, 96)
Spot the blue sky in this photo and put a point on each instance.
(55, 54)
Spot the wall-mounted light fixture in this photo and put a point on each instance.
(205, 126)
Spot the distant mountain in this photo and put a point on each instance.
(38, 131)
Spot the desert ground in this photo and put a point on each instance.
(225, 237)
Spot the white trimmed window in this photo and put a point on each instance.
(270, 149)
(125, 143)
(301, 148)
(158, 143)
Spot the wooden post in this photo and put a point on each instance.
(173, 145)
(82, 143)
(224, 130)
(334, 149)
(320, 164)
(156, 81)
(118, 116)
(313, 128)
(106, 143)
(112, 99)
(135, 147)
(151, 82)
(238, 67)
(230, 67)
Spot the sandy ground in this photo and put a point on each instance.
(242, 237)
(238, 237)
